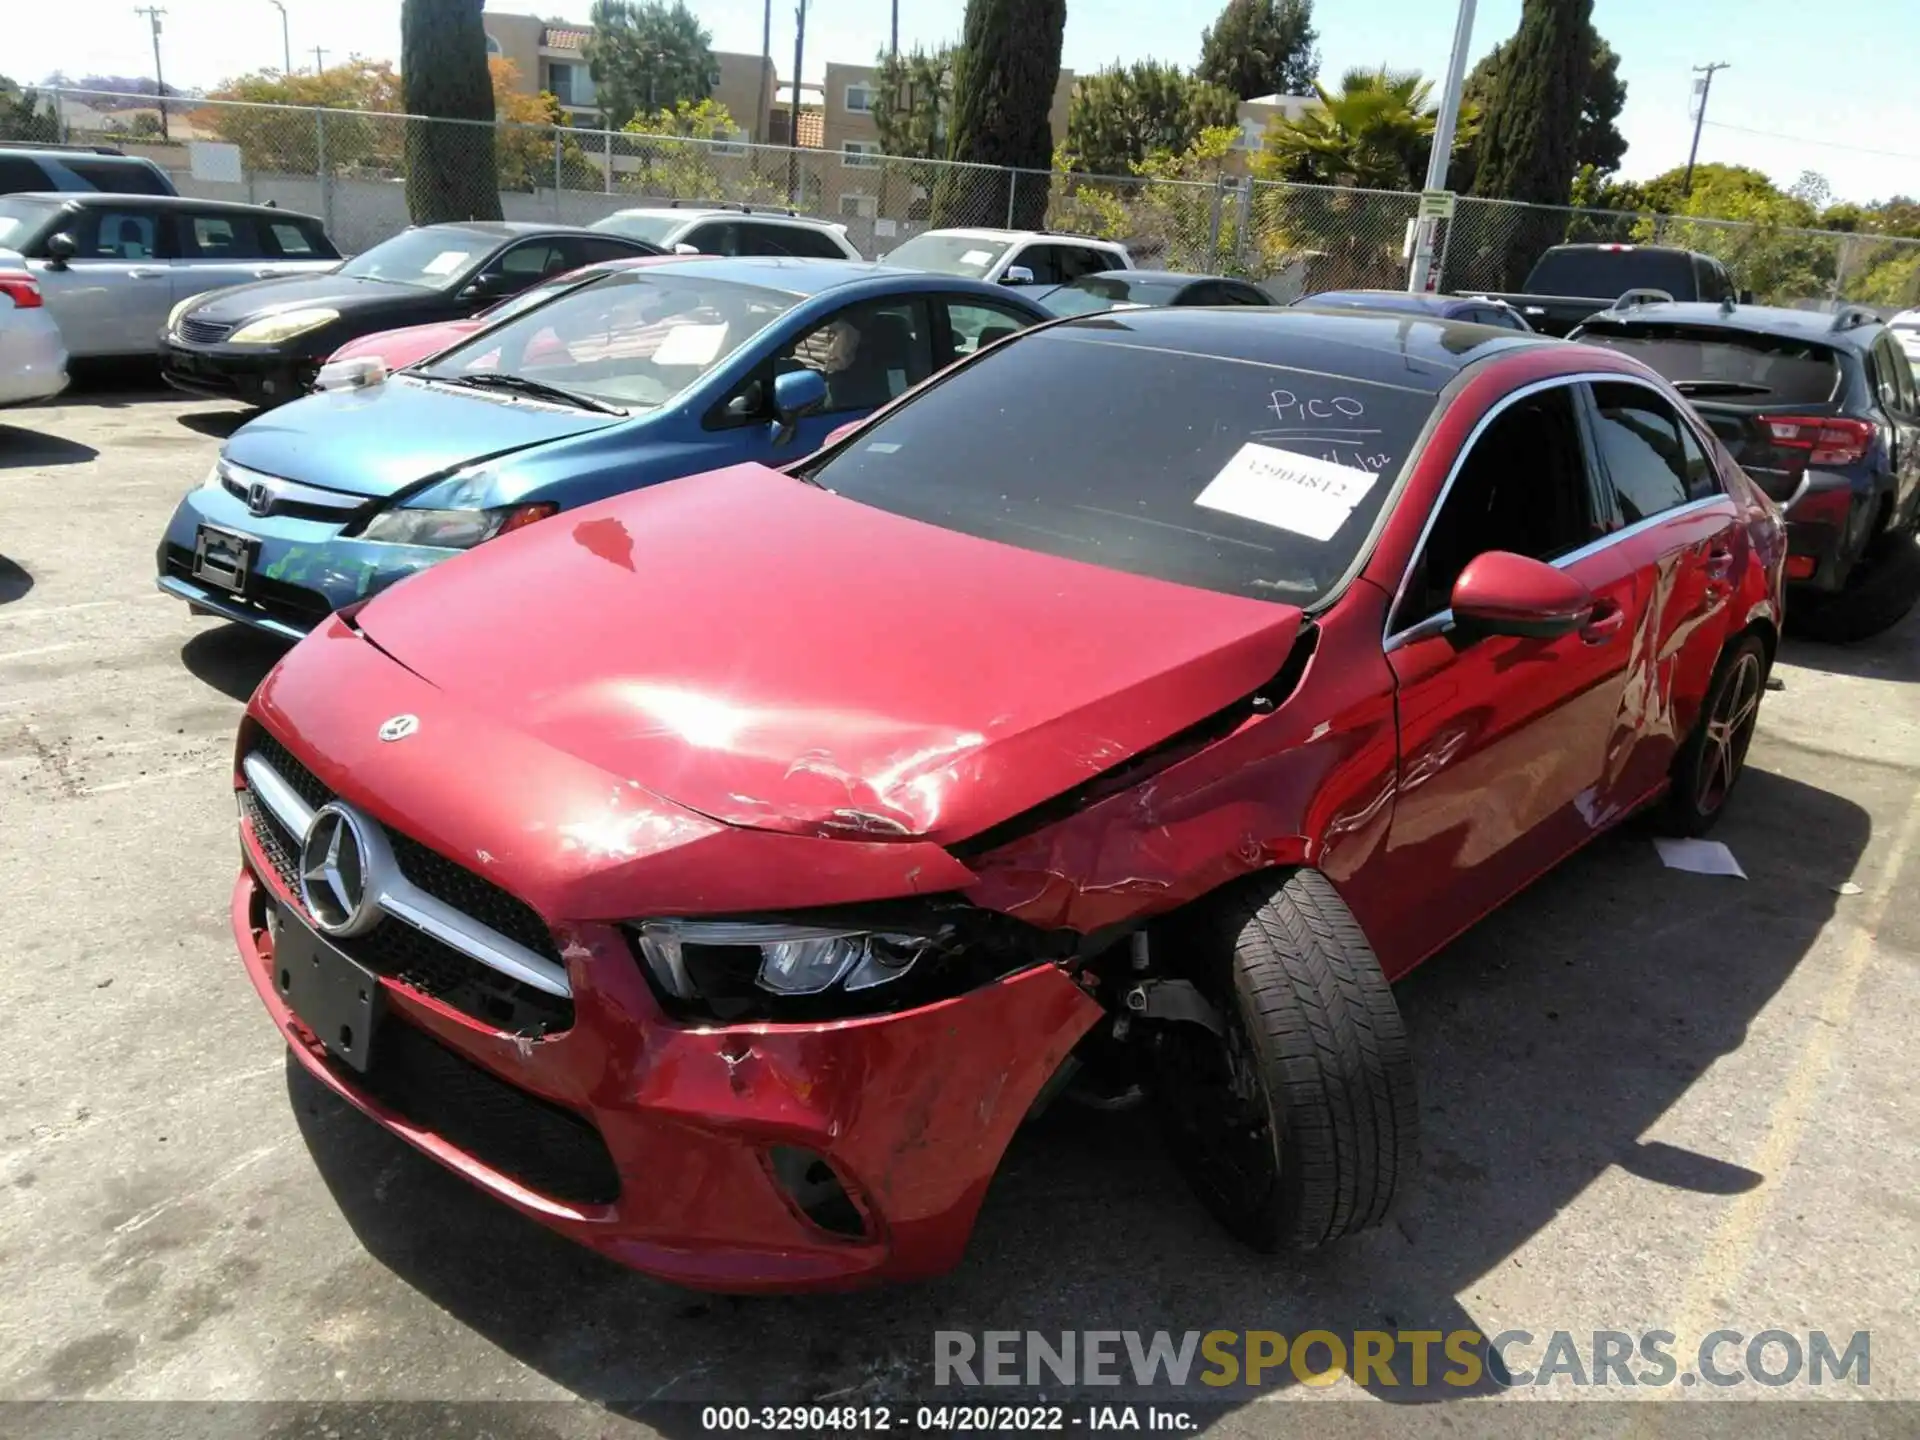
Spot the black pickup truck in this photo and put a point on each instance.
(1572, 282)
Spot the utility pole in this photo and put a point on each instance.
(793, 125)
(153, 14)
(893, 43)
(1442, 156)
(766, 73)
(286, 38)
(1702, 88)
(319, 60)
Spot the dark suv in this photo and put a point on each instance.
(1821, 411)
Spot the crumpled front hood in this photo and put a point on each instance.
(385, 437)
(775, 656)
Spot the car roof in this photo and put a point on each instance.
(1774, 320)
(121, 200)
(80, 152)
(1415, 352)
(506, 229)
(732, 212)
(988, 232)
(1167, 277)
(796, 276)
(1407, 300)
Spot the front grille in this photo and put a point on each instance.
(418, 960)
(547, 1148)
(294, 605)
(203, 332)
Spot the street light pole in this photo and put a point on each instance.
(153, 14)
(793, 122)
(1705, 88)
(1442, 156)
(286, 38)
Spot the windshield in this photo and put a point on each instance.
(630, 340)
(1091, 294)
(19, 219)
(947, 254)
(640, 225)
(431, 258)
(1609, 274)
(1765, 368)
(1096, 445)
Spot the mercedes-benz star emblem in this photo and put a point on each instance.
(344, 862)
(399, 727)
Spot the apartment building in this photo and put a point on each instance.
(552, 57)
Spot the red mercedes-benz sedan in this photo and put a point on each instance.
(721, 873)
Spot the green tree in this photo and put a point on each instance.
(24, 117)
(646, 56)
(912, 102)
(1598, 144)
(452, 173)
(1261, 47)
(1120, 116)
(1375, 132)
(1527, 138)
(287, 141)
(686, 166)
(1003, 84)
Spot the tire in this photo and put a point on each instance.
(1883, 586)
(1715, 753)
(1299, 1126)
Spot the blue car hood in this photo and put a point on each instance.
(384, 438)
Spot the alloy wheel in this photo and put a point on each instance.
(1729, 732)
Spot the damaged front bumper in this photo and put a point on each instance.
(695, 1153)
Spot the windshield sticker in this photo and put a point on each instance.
(879, 447)
(446, 262)
(1301, 494)
(690, 345)
(977, 257)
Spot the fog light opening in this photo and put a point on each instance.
(816, 1191)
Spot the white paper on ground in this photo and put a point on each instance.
(690, 345)
(1702, 857)
(1299, 493)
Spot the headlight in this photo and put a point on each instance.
(703, 959)
(173, 315)
(272, 329)
(451, 529)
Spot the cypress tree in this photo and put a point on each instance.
(1533, 119)
(451, 170)
(1004, 79)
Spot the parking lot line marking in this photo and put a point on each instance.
(38, 650)
(1727, 1250)
(140, 780)
(154, 1212)
(46, 610)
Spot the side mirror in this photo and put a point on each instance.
(1500, 593)
(60, 249)
(1017, 275)
(796, 394)
(491, 285)
(680, 247)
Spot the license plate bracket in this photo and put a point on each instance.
(224, 557)
(332, 994)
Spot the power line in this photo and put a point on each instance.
(1825, 144)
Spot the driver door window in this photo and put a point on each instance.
(536, 260)
(868, 354)
(1523, 487)
(1043, 261)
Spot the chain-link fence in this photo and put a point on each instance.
(354, 169)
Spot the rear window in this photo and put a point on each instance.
(1246, 478)
(22, 220)
(18, 173)
(121, 177)
(1595, 274)
(652, 228)
(1762, 369)
(1093, 293)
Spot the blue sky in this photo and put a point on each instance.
(1832, 86)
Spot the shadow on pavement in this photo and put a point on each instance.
(14, 581)
(216, 424)
(1893, 655)
(1548, 1040)
(233, 659)
(21, 446)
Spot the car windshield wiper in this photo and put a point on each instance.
(1721, 387)
(538, 389)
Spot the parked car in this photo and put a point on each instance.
(1131, 289)
(1570, 282)
(827, 813)
(112, 266)
(637, 376)
(1906, 332)
(33, 359)
(79, 167)
(411, 344)
(263, 344)
(1010, 257)
(1476, 309)
(707, 229)
(1822, 411)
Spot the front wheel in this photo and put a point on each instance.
(1298, 1124)
(1710, 762)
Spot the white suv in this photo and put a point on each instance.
(1906, 329)
(732, 230)
(1010, 257)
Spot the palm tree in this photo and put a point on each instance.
(1375, 132)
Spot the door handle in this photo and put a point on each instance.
(1606, 621)
(140, 273)
(1719, 563)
